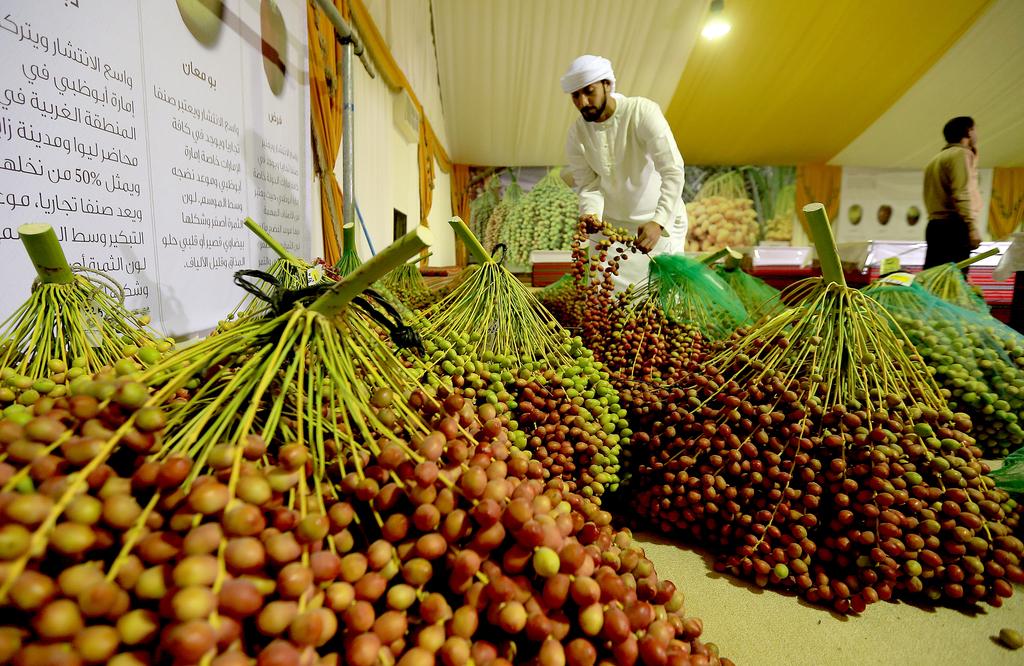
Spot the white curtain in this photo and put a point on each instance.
(443, 251)
(405, 25)
(373, 160)
(500, 62)
(386, 170)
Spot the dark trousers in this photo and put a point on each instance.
(948, 241)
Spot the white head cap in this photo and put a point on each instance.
(585, 70)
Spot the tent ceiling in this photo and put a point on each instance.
(500, 62)
(797, 80)
(982, 76)
(862, 82)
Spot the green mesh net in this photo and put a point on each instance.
(691, 293)
(558, 287)
(949, 283)
(974, 356)
(1010, 476)
(758, 297)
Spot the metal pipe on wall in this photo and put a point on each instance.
(345, 33)
(348, 143)
(350, 47)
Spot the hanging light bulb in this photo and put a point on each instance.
(717, 25)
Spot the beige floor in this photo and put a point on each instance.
(755, 627)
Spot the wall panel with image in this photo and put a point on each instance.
(887, 204)
(739, 206)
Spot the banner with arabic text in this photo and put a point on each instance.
(145, 133)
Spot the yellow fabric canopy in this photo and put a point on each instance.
(795, 81)
(1006, 210)
(981, 76)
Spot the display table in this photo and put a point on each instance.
(548, 266)
(781, 266)
(998, 295)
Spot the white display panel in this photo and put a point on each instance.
(145, 132)
(890, 203)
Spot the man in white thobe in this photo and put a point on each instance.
(625, 164)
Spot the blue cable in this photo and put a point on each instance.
(366, 233)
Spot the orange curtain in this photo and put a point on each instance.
(425, 159)
(438, 150)
(1006, 211)
(460, 206)
(818, 183)
(325, 91)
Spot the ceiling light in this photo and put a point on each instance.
(716, 25)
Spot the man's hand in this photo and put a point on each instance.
(590, 223)
(647, 236)
(973, 237)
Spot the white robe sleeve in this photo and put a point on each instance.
(588, 183)
(656, 136)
